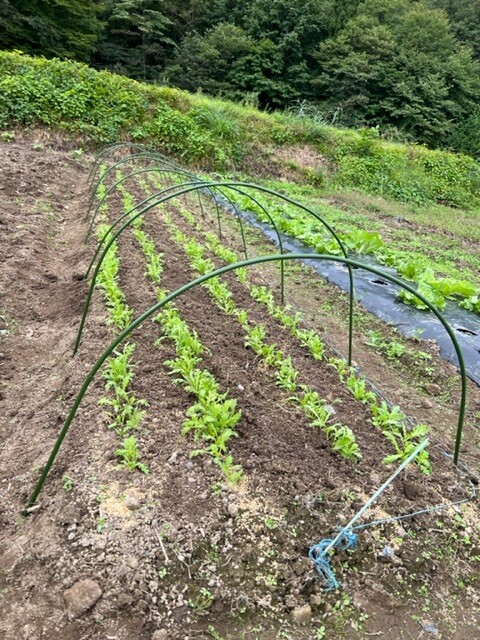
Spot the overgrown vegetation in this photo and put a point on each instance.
(103, 107)
(410, 67)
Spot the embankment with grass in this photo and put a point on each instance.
(98, 107)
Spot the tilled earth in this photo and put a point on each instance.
(178, 553)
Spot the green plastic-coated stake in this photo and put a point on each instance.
(218, 272)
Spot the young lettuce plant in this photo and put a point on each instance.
(319, 415)
(392, 423)
(358, 387)
(130, 456)
(256, 338)
(287, 375)
(405, 441)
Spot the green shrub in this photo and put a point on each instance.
(181, 135)
(409, 173)
(70, 95)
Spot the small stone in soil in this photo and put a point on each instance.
(161, 634)
(132, 502)
(301, 615)
(81, 597)
(232, 509)
(302, 565)
(290, 601)
(315, 601)
(8, 560)
(131, 562)
(433, 389)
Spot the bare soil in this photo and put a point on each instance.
(178, 550)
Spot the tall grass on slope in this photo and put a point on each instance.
(214, 134)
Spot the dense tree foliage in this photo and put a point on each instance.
(398, 63)
(464, 18)
(135, 39)
(61, 28)
(410, 67)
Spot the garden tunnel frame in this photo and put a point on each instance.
(163, 191)
(172, 168)
(169, 168)
(198, 186)
(150, 153)
(218, 272)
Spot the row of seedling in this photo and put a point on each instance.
(390, 420)
(153, 259)
(119, 313)
(124, 411)
(307, 337)
(213, 416)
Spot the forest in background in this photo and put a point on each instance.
(410, 68)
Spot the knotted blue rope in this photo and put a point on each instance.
(346, 539)
(318, 554)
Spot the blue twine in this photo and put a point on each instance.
(346, 539)
(319, 554)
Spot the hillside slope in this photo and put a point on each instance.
(97, 107)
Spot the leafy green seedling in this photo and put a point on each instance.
(67, 483)
(130, 456)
